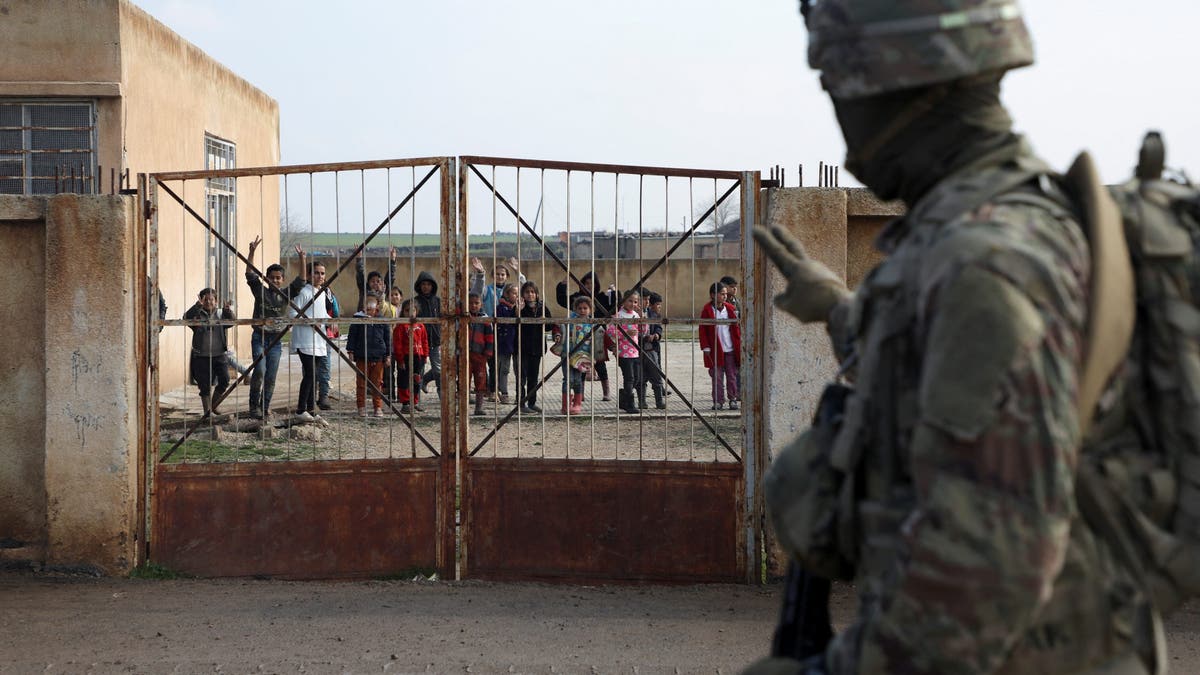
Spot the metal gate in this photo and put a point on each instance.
(662, 494)
(286, 496)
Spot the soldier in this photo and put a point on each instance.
(951, 474)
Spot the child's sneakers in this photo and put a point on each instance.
(718, 406)
(379, 412)
(733, 405)
(504, 400)
(362, 412)
(406, 409)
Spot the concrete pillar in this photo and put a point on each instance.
(90, 410)
(22, 382)
(799, 360)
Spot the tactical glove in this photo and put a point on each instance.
(813, 289)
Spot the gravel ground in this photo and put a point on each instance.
(58, 624)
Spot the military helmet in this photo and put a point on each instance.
(869, 47)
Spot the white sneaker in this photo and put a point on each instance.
(362, 412)
(379, 412)
(304, 417)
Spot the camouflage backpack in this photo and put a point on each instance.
(1139, 478)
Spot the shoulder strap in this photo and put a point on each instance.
(1111, 309)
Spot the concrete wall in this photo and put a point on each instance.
(838, 227)
(22, 381)
(69, 426)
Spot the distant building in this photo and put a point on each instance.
(649, 245)
(94, 90)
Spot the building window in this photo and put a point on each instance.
(47, 147)
(220, 195)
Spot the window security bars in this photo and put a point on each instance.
(47, 147)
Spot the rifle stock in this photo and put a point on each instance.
(804, 628)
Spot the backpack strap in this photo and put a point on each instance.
(1111, 311)
(1111, 317)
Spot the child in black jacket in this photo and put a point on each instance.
(368, 346)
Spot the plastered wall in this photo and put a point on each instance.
(68, 400)
(174, 94)
(156, 96)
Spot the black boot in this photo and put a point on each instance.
(625, 401)
(642, 398)
(658, 397)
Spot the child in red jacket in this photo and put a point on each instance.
(722, 347)
(482, 347)
(410, 345)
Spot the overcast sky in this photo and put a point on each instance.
(690, 83)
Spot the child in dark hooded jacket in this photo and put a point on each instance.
(430, 306)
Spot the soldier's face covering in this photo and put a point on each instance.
(900, 144)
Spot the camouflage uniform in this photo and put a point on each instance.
(961, 438)
(969, 555)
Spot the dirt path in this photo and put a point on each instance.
(71, 625)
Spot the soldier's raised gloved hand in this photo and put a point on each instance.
(813, 289)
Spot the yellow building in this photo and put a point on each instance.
(100, 89)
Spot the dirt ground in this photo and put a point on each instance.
(61, 624)
(674, 433)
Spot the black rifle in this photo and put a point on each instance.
(804, 628)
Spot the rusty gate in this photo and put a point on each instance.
(484, 487)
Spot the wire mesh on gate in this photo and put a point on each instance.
(556, 224)
(383, 213)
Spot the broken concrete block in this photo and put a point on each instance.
(308, 433)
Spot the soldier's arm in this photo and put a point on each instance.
(991, 459)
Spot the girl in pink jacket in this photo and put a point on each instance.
(625, 338)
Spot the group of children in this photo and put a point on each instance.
(583, 346)
(393, 355)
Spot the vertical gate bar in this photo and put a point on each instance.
(692, 331)
(362, 211)
(753, 452)
(642, 311)
(662, 345)
(287, 217)
(454, 464)
(312, 225)
(604, 330)
(544, 298)
(717, 278)
(566, 350)
(142, 312)
(515, 358)
(337, 228)
(148, 207)
(184, 265)
(495, 360)
(617, 281)
(412, 275)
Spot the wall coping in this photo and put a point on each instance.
(37, 88)
(19, 207)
